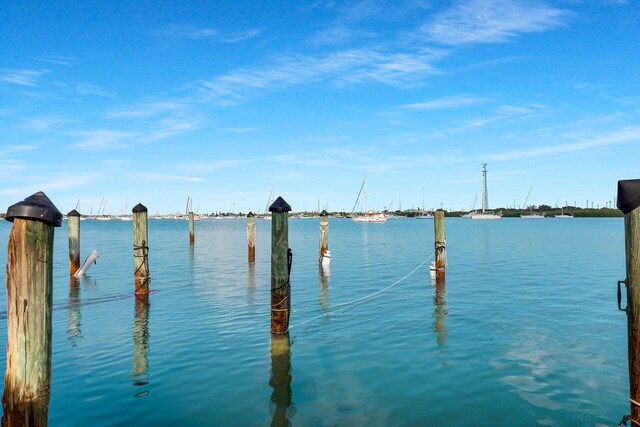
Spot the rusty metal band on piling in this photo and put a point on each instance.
(140, 249)
(280, 267)
(628, 203)
(29, 309)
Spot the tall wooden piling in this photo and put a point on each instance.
(192, 237)
(140, 250)
(280, 267)
(440, 244)
(29, 302)
(73, 223)
(324, 234)
(251, 236)
(628, 203)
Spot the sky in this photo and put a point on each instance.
(115, 103)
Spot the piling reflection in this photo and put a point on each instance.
(73, 314)
(325, 272)
(140, 369)
(251, 283)
(281, 405)
(439, 325)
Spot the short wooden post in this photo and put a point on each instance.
(628, 203)
(280, 379)
(192, 237)
(140, 369)
(73, 223)
(29, 302)
(324, 234)
(440, 244)
(251, 236)
(280, 267)
(140, 250)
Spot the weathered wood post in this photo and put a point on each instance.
(192, 237)
(140, 250)
(280, 380)
(251, 236)
(73, 223)
(440, 244)
(29, 301)
(280, 267)
(324, 236)
(628, 203)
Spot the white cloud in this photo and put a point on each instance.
(486, 21)
(102, 138)
(445, 103)
(196, 33)
(146, 110)
(164, 177)
(22, 77)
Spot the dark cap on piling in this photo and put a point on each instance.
(37, 207)
(73, 213)
(250, 215)
(324, 213)
(139, 208)
(279, 206)
(628, 195)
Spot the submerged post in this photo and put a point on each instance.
(140, 250)
(440, 244)
(29, 302)
(325, 255)
(73, 223)
(280, 267)
(192, 237)
(628, 203)
(280, 380)
(251, 236)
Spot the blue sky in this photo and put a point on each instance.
(222, 101)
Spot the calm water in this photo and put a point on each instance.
(526, 330)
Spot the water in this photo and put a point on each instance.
(526, 330)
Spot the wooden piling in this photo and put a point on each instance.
(251, 236)
(440, 244)
(280, 267)
(280, 380)
(29, 302)
(73, 223)
(192, 237)
(140, 250)
(628, 203)
(324, 234)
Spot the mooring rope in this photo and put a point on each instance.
(349, 304)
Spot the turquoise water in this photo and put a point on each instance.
(525, 331)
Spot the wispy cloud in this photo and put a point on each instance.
(56, 59)
(621, 136)
(348, 66)
(102, 138)
(200, 33)
(486, 21)
(147, 110)
(22, 77)
(445, 103)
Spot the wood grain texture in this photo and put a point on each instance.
(280, 288)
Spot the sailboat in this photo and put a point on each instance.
(563, 215)
(369, 216)
(485, 214)
(531, 214)
(424, 214)
(267, 215)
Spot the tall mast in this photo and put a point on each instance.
(365, 194)
(485, 193)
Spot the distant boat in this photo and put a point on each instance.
(368, 216)
(425, 215)
(485, 214)
(563, 215)
(533, 215)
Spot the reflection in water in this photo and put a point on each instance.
(73, 322)
(281, 405)
(325, 271)
(139, 373)
(440, 316)
(191, 256)
(251, 283)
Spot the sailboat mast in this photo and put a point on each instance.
(365, 194)
(485, 193)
